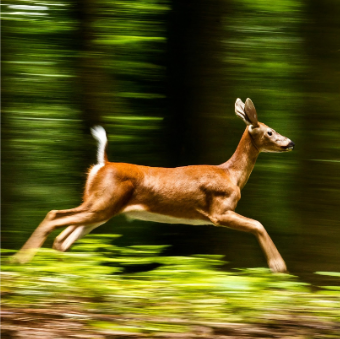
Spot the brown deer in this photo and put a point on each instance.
(194, 195)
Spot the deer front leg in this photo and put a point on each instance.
(238, 222)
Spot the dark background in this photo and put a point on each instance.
(162, 78)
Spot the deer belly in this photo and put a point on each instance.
(138, 212)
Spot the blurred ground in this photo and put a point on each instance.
(89, 293)
(59, 322)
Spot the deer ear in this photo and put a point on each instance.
(250, 112)
(240, 111)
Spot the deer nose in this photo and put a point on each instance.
(291, 145)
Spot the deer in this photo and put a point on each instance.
(194, 195)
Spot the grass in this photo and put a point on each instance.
(90, 286)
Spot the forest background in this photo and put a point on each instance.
(162, 78)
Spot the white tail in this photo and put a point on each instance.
(196, 195)
(98, 132)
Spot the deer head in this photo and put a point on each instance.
(264, 138)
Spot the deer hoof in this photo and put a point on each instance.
(22, 257)
(57, 245)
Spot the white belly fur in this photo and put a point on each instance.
(139, 212)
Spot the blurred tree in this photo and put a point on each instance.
(198, 104)
(318, 182)
(93, 79)
(8, 173)
(41, 120)
(196, 81)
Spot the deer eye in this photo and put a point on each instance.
(270, 133)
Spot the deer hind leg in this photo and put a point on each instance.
(70, 235)
(95, 211)
(240, 223)
(63, 236)
(80, 216)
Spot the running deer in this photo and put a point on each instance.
(194, 195)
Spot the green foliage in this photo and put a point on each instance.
(193, 288)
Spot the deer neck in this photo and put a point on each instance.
(242, 163)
